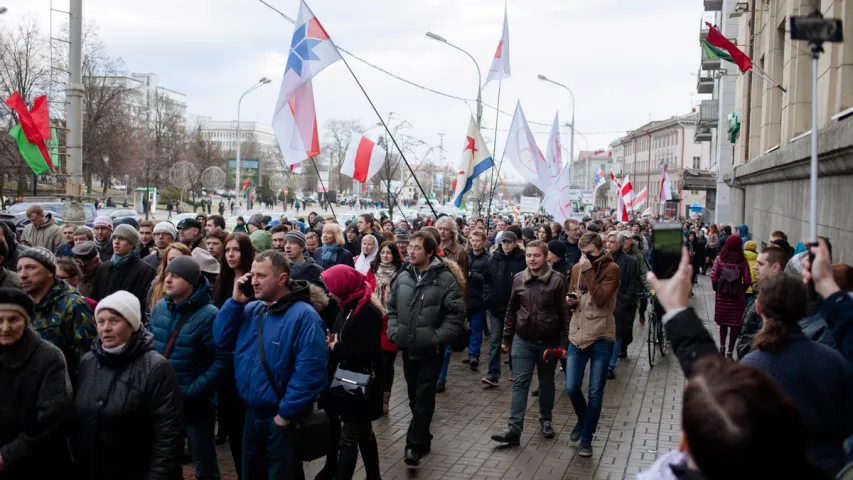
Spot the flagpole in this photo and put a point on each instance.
(320, 179)
(387, 130)
(761, 73)
(494, 152)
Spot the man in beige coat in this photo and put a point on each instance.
(42, 230)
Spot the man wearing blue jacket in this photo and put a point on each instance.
(281, 380)
(182, 324)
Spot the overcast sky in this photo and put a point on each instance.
(626, 61)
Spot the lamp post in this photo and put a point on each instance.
(572, 144)
(262, 81)
(479, 76)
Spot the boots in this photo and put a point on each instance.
(386, 403)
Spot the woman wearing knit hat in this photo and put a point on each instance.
(128, 415)
(35, 403)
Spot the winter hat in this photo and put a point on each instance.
(557, 247)
(14, 299)
(751, 246)
(102, 222)
(296, 237)
(41, 255)
(527, 232)
(507, 236)
(256, 221)
(734, 242)
(128, 233)
(206, 261)
(402, 237)
(168, 228)
(261, 241)
(127, 221)
(185, 267)
(125, 304)
(85, 251)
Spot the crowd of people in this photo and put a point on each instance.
(131, 348)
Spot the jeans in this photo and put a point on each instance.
(421, 376)
(526, 355)
(200, 421)
(477, 319)
(270, 451)
(598, 355)
(617, 347)
(442, 375)
(496, 332)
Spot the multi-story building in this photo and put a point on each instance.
(223, 134)
(144, 90)
(585, 168)
(771, 175)
(643, 153)
(718, 78)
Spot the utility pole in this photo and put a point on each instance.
(74, 140)
(443, 167)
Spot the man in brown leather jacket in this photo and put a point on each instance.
(537, 319)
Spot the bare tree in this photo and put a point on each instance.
(24, 68)
(339, 136)
(203, 154)
(166, 139)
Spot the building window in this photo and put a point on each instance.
(697, 162)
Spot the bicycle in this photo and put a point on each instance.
(656, 333)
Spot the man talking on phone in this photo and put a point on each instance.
(280, 359)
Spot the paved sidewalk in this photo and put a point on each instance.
(640, 421)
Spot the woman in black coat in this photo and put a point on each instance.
(35, 396)
(355, 346)
(128, 421)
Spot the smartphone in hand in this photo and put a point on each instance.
(246, 288)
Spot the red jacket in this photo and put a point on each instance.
(728, 311)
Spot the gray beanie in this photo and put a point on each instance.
(295, 236)
(185, 267)
(128, 233)
(41, 255)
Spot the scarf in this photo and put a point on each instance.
(115, 350)
(363, 263)
(349, 285)
(330, 252)
(384, 275)
(119, 260)
(103, 244)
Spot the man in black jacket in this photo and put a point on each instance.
(125, 271)
(507, 261)
(571, 236)
(626, 298)
(479, 291)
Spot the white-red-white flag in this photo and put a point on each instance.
(627, 191)
(554, 150)
(500, 64)
(364, 158)
(639, 199)
(665, 186)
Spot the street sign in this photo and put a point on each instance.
(285, 190)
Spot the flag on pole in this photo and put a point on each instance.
(32, 132)
(295, 119)
(554, 150)
(718, 46)
(475, 160)
(500, 64)
(523, 153)
(599, 181)
(639, 199)
(665, 186)
(557, 200)
(627, 191)
(364, 159)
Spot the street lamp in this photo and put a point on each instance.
(262, 81)
(572, 144)
(443, 40)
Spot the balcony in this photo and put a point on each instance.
(702, 134)
(709, 113)
(713, 5)
(705, 82)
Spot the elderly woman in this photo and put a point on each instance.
(128, 421)
(35, 403)
(332, 251)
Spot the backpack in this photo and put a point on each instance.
(729, 282)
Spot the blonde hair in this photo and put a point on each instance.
(158, 289)
(336, 231)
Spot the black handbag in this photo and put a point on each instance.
(348, 384)
(312, 426)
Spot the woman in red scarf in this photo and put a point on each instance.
(355, 346)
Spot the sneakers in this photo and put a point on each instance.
(440, 387)
(508, 436)
(475, 362)
(466, 360)
(534, 393)
(611, 374)
(551, 355)
(489, 381)
(576, 433)
(547, 429)
(585, 449)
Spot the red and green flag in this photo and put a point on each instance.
(33, 133)
(718, 46)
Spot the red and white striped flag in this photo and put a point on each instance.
(626, 195)
(639, 199)
(364, 158)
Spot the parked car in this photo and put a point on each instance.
(120, 213)
(17, 213)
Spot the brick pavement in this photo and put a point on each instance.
(640, 420)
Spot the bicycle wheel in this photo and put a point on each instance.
(651, 337)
